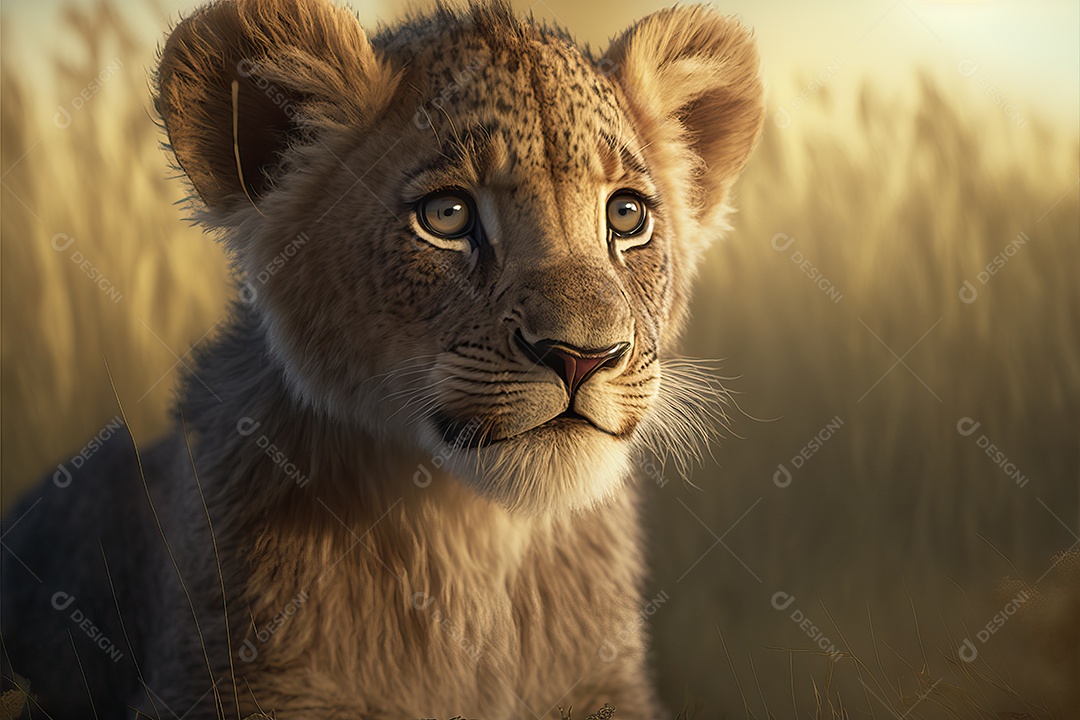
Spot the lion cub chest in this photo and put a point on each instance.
(485, 619)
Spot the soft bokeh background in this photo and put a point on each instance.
(908, 146)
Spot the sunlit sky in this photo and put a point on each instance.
(1023, 54)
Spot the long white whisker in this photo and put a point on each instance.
(689, 413)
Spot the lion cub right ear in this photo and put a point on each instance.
(239, 81)
(692, 78)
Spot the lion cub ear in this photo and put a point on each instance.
(240, 80)
(692, 78)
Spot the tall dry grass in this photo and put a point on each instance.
(96, 176)
(899, 529)
(897, 540)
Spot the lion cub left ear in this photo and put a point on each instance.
(240, 81)
(692, 78)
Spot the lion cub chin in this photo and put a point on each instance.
(401, 480)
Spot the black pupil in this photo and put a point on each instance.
(627, 207)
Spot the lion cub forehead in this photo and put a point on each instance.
(551, 103)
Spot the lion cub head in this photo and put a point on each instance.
(466, 233)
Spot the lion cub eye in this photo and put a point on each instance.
(446, 214)
(626, 214)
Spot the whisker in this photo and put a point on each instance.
(417, 394)
(689, 413)
(424, 410)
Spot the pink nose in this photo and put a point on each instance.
(573, 365)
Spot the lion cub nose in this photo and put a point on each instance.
(572, 364)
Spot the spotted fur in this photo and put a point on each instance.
(367, 442)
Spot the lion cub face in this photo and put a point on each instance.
(468, 235)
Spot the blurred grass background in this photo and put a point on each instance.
(897, 540)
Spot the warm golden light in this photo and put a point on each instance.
(898, 303)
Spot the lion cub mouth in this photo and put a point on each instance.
(461, 435)
(566, 419)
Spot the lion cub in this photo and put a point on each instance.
(401, 482)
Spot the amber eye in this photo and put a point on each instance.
(626, 214)
(446, 214)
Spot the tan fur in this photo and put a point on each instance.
(458, 548)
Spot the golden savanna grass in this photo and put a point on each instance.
(896, 541)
